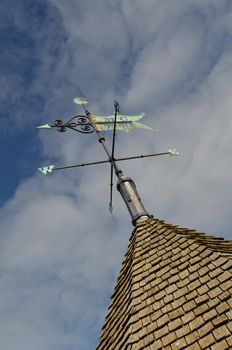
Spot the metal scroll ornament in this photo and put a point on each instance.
(80, 123)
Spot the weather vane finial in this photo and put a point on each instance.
(89, 123)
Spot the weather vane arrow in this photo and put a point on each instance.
(89, 123)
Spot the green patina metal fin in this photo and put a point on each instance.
(120, 118)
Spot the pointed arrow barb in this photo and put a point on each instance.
(44, 126)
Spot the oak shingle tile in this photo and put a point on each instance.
(223, 308)
(174, 325)
(206, 329)
(180, 344)
(221, 332)
(192, 338)
(223, 345)
(220, 320)
(183, 331)
(161, 332)
(196, 323)
(188, 317)
(195, 346)
(229, 342)
(157, 345)
(206, 341)
(168, 339)
(209, 315)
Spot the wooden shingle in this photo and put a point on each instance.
(174, 291)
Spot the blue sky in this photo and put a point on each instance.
(60, 249)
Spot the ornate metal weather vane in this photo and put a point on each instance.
(89, 123)
(80, 123)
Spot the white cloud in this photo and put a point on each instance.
(57, 262)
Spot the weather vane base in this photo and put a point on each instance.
(127, 189)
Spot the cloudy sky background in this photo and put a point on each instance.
(60, 249)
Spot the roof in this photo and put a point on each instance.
(174, 291)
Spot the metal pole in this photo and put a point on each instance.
(125, 185)
(128, 191)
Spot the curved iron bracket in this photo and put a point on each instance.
(80, 123)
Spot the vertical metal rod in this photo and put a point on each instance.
(125, 185)
(116, 109)
(101, 139)
(118, 171)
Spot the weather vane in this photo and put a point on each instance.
(90, 123)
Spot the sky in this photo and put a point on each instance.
(60, 248)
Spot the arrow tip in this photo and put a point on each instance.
(44, 126)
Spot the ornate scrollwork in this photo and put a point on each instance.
(80, 123)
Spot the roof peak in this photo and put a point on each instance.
(174, 291)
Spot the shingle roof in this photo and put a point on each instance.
(174, 291)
